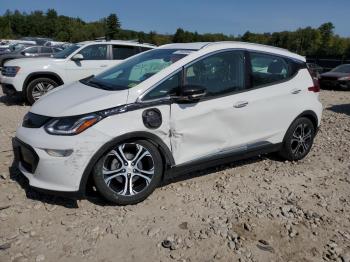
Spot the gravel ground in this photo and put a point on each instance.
(260, 209)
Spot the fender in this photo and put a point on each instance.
(164, 150)
(42, 73)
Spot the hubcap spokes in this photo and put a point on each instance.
(41, 89)
(128, 169)
(301, 139)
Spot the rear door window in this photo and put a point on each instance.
(268, 69)
(121, 52)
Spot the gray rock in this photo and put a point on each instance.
(40, 258)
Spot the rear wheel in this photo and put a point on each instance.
(39, 87)
(129, 172)
(298, 140)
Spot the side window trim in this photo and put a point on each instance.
(248, 84)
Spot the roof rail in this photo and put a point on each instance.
(103, 39)
(246, 43)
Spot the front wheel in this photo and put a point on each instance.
(39, 87)
(129, 172)
(298, 139)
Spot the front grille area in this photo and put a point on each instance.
(25, 155)
(10, 71)
(31, 120)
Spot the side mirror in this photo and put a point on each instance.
(78, 57)
(191, 94)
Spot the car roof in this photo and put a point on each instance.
(234, 44)
(119, 42)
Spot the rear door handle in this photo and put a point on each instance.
(240, 104)
(296, 91)
(103, 65)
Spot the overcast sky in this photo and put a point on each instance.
(204, 16)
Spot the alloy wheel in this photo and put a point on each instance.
(128, 169)
(301, 140)
(41, 89)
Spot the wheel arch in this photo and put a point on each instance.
(164, 150)
(36, 75)
(311, 115)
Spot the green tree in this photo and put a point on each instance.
(179, 36)
(112, 26)
(327, 32)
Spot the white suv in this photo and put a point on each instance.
(170, 110)
(36, 76)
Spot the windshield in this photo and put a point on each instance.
(342, 69)
(66, 52)
(137, 69)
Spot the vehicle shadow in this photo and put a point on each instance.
(32, 194)
(15, 100)
(340, 109)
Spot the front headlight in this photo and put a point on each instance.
(69, 126)
(73, 125)
(344, 78)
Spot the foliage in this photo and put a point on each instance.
(309, 41)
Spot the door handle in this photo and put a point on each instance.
(103, 65)
(296, 91)
(241, 104)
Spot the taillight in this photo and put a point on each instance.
(316, 87)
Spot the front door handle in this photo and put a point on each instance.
(241, 104)
(103, 65)
(296, 91)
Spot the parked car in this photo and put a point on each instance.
(35, 77)
(167, 111)
(26, 52)
(338, 78)
(315, 69)
(15, 47)
(37, 40)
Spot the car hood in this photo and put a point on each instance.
(77, 99)
(31, 61)
(334, 74)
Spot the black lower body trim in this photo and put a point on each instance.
(72, 195)
(25, 154)
(205, 163)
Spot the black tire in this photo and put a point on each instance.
(47, 83)
(297, 145)
(109, 191)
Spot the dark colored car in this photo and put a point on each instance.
(338, 78)
(315, 69)
(32, 51)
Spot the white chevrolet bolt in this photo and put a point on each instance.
(168, 111)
